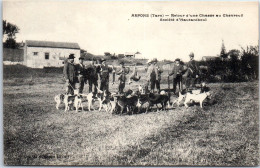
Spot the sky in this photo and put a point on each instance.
(103, 26)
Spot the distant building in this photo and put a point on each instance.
(138, 55)
(130, 54)
(121, 55)
(39, 54)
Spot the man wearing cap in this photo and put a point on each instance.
(194, 72)
(104, 75)
(93, 71)
(177, 75)
(81, 74)
(70, 74)
(122, 78)
(153, 74)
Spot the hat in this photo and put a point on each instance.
(191, 54)
(155, 60)
(71, 56)
(177, 59)
(81, 57)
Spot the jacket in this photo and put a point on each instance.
(104, 72)
(69, 72)
(177, 71)
(193, 68)
(81, 70)
(122, 72)
(152, 73)
(93, 72)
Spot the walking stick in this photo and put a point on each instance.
(169, 93)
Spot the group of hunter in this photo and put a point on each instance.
(186, 75)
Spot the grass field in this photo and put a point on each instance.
(35, 133)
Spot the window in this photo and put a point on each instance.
(47, 56)
(35, 53)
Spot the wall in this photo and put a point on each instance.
(39, 61)
(13, 55)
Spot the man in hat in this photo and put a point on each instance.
(93, 72)
(122, 78)
(177, 71)
(153, 74)
(70, 74)
(193, 72)
(158, 82)
(82, 75)
(104, 75)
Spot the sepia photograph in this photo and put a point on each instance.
(130, 83)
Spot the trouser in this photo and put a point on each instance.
(155, 83)
(191, 82)
(104, 85)
(92, 82)
(121, 87)
(177, 81)
(81, 84)
(70, 88)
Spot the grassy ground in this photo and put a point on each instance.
(35, 133)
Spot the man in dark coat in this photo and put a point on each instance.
(153, 74)
(104, 75)
(122, 78)
(70, 74)
(81, 74)
(193, 72)
(177, 75)
(158, 82)
(93, 71)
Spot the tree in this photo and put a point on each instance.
(223, 53)
(10, 30)
(249, 62)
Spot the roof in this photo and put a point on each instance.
(51, 44)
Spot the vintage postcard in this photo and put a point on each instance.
(130, 83)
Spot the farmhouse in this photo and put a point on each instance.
(136, 55)
(39, 54)
(130, 54)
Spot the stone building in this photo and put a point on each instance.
(39, 54)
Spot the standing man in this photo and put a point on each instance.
(158, 82)
(104, 75)
(70, 74)
(93, 71)
(122, 78)
(177, 75)
(194, 72)
(81, 74)
(153, 75)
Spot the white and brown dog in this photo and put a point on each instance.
(179, 99)
(76, 100)
(103, 99)
(198, 98)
